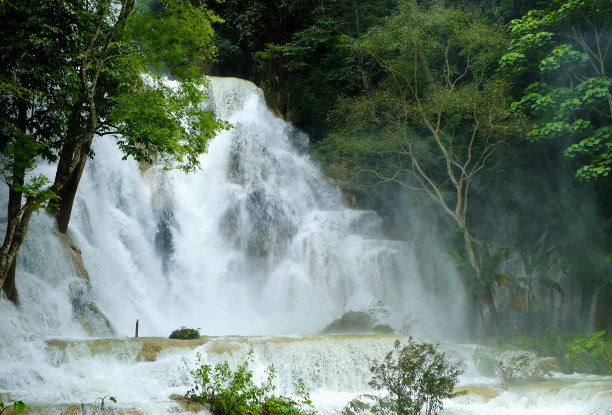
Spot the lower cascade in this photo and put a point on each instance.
(257, 251)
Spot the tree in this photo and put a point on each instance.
(93, 85)
(317, 64)
(435, 118)
(35, 55)
(565, 48)
(415, 378)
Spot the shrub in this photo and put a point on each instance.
(589, 353)
(511, 366)
(575, 352)
(414, 378)
(18, 407)
(519, 367)
(185, 334)
(228, 392)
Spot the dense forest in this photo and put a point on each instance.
(490, 121)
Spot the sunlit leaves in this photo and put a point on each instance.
(166, 121)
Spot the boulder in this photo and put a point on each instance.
(86, 311)
(350, 322)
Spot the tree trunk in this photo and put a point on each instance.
(16, 228)
(9, 287)
(63, 208)
(6, 262)
(485, 288)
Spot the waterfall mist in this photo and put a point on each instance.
(256, 242)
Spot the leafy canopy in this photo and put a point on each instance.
(566, 46)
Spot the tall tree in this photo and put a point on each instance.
(94, 85)
(436, 117)
(566, 51)
(35, 56)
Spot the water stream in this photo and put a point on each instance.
(257, 243)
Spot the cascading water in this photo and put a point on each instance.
(258, 242)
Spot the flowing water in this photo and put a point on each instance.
(257, 243)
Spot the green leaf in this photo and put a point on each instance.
(19, 407)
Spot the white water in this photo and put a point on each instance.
(256, 243)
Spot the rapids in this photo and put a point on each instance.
(258, 251)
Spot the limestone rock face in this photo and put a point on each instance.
(74, 253)
(85, 311)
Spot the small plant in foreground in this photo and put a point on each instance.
(414, 378)
(110, 398)
(228, 392)
(18, 407)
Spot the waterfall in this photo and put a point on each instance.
(255, 243)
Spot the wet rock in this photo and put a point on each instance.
(74, 254)
(84, 309)
(350, 322)
(149, 352)
(383, 329)
(187, 405)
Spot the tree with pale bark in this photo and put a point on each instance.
(435, 118)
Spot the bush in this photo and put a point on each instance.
(511, 366)
(228, 392)
(520, 367)
(414, 378)
(185, 334)
(589, 353)
(575, 352)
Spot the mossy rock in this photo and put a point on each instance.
(350, 322)
(383, 329)
(185, 334)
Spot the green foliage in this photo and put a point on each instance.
(298, 52)
(510, 366)
(564, 46)
(73, 70)
(520, 367)
(415, 378)
(179, 37)
(234, 392)
(589, 353)
(575, 352)
(165, 122)
(18, 407)
(185, 334)
(434, 118)
(435, 65)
